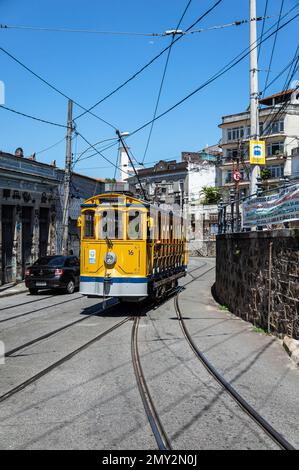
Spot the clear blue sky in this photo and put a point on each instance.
(88, 66)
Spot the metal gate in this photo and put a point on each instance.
(7, 243)
(26, 237)
(43, 231)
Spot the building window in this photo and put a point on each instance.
(235, 133)
(232, 154)
(275, 127)
(170, 188)
(276, 171)
(274, 148)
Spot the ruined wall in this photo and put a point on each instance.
(257, 278)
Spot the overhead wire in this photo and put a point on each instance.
(274, 44)
(163, 78)
(220, 72)
(101, 154)
(46, 82)
(132, 77)
(107, 147)
(263, 27)
(126, 33)
(288, 66)
(33, 117)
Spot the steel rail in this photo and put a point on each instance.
(53, 332)
(61, 361)
(194, 278)
(152, 415)
(38, 309)
(243, 404)
(30, 302)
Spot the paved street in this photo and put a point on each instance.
(90, 400)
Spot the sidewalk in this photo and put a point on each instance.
(12, 289)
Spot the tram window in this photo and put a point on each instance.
(111, 224)
(89, 224)
(134, 225)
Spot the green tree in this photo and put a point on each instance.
(110, 180)
(265, 173)
(211, 195)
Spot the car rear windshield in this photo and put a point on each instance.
(55, 261)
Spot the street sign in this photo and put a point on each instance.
(236, 176)
(257, 152)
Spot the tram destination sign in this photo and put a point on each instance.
(277, 208)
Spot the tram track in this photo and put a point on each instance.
(159, 433)
(241, 402)
(4, 320)
(25, 303)
(158, 430)
(56, 331)
(61, 361)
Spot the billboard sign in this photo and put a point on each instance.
(274, 209)
(257, 152)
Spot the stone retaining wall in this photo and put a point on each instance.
(252, 265)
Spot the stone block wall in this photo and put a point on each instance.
(257, 278)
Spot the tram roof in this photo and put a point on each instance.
(110, 197)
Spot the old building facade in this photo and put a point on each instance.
(31, 200)
(279, 127)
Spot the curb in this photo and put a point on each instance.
(292, 348)
(8, 294)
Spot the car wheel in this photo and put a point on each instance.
(70, 288)
(33, 291)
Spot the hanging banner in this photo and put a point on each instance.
(275, 209)
(257, 152)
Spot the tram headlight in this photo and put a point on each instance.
(110, 258)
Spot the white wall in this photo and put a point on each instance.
(200, 175)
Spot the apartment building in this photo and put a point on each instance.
(279, 127)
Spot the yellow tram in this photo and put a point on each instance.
(130, 249)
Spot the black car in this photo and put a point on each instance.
(53, 272)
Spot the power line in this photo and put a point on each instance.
(278, 113)
(80, 159)
(49, 148)
(274, 44)
(90, 147)
(127, 33)
(224, 69)
(221, 72)
(54, 87)
(101, 154)
(74, 30)
(132, 164)
(149, 63)
(162, 80)
(33, 117)
(288, 66)
(263, 27)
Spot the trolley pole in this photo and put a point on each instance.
(67, 180)
(254, 94)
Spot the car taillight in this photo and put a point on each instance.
(58, 272)
(27, 272)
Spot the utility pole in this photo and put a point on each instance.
(254, 93)
(67, 180)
